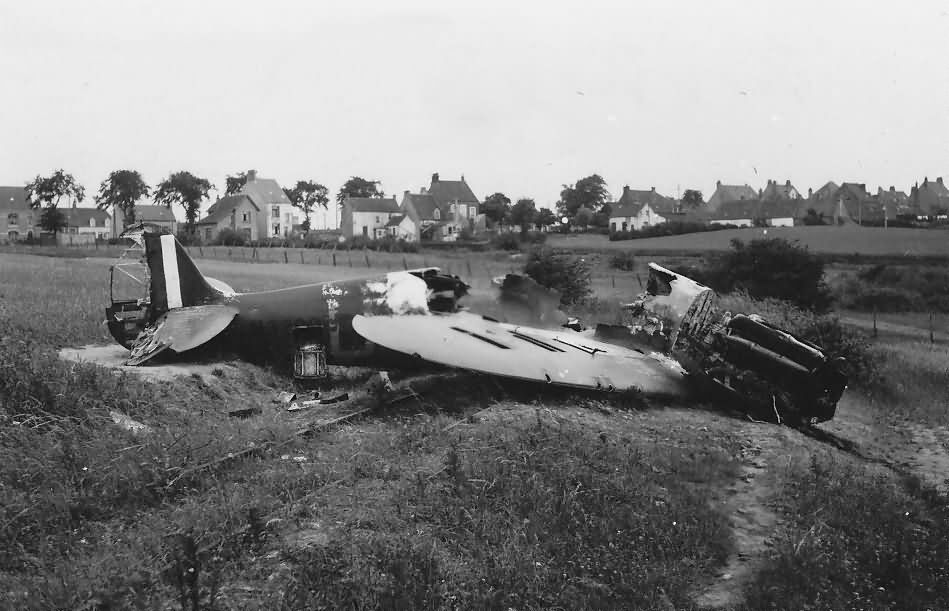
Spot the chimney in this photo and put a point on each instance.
(462, 178)
(625, 189)
(653, 189)
(405, 193)
(939, 179)
(787, 183)
(434, 177)
(925, 180)
(810, 192)
(251, 175)
(718, 184)
(892, 189)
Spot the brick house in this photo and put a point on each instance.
(236, 212)
(930, 198)
(17, 220)
(443, 210)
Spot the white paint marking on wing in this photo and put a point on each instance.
(169, 262)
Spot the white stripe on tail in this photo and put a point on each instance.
(169, 263)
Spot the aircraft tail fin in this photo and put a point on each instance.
(175, 279)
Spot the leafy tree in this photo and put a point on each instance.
(120, 191)
(359, 187)
(569, 275)
(49, 190)
(583, 217)
(496, 207)
(692, 198)
(235, 183)
(306, 195)
(546, 216)
(52, 219)
(185, 189)
(523, 213)
(813, 217)
(774, 268)
(589, 192)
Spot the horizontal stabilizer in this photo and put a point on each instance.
(181, 329)
(220, 286)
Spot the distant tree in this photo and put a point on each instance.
(589, 192)
(235, 183)
(120, 191)
(48, 191)
(306, 195)
(545, 217)
(583, 217)
(523, 213)
(52, 219)
(359, 187)
(692, 198)
(496, 207)
(185, 189)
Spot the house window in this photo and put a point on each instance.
(437, 214)
(207, 233)
(92, 222)
(275, 212)
(245, 218)
(365, 231)
(624, 225)
(377, 220)
(13, 219)
(612, 226)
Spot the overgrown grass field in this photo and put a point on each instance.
(846, 240)
(483, 495)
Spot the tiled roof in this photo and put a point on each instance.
(80, 217)
(152, 214)
(423, 203)
(775, 190)
(223, 208)
(781, 208)
(447, 191)
(737, 209)
(659, 203)
(733, 193)
(264, 191)
(828, 190)
(395, 220)
(13, 198)
(372, 204)
(625, 210)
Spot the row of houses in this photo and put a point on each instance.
(18, 221)
(781, 204)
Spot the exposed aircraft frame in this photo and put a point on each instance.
(675, 341)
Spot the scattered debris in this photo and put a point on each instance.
(297, 406)
(244, 413)
(129, 424)
(285, 397)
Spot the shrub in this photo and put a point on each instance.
(230, 237)
(623, 260)
(567, 274)
(506, 241)
(766, 268)
(666, 229)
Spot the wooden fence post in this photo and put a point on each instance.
(366, 254)
(350, 254)
(334, 259)
(405, 264)
(301, 256)
(932, 331)
(874, 321)
(468, 263)
(286, 257)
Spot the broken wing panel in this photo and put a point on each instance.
(472, 342)
(181, 330)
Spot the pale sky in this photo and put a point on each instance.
(520, 97)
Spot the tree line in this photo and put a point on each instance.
(124, 189)
(583, 203)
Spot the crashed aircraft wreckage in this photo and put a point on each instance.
(675, 340)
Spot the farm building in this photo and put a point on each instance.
(236, 212)
(17, 219)
(367, 216)
(729, 193)
(443, 210)
(92, 222)
(636, 209)
(159, 217)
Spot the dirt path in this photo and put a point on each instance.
(753, 521)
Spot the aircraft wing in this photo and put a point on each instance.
(564, 358)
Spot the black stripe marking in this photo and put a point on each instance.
(536, 342)
(487, 340)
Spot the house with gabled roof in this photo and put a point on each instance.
(277, 215)
(896, 203)
(367, 216)
(825, 203)
(930, 198)
(775, 191)
(157, 217)
(237, 212)
(443, 210)
(636, 209)
(88, 221)
(17, 220)
(859, 204)
(730, 193)
(739, 212)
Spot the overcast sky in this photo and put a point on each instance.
(520, 97)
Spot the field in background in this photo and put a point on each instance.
(846, 240)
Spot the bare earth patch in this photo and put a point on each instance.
(753, 521)
(113, 356)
